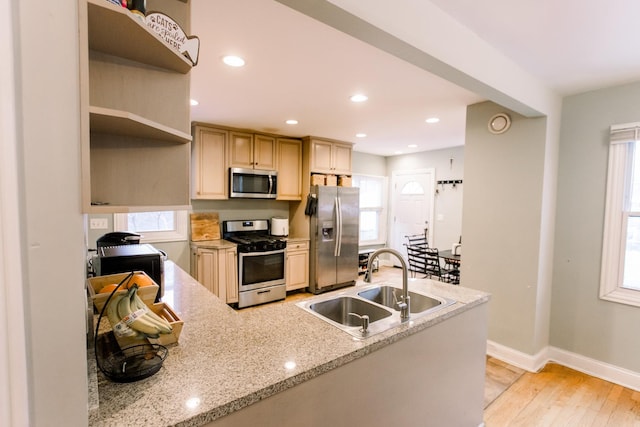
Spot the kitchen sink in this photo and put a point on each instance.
(389, 296)
(345, 309)
(341, 310)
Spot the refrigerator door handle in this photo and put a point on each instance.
(339, 223)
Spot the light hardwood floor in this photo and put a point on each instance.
(560, 396)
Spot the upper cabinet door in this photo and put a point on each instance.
(241, 150)
(321, 157)
(341, 157)
(208, 163)
(264, 152)
(289, 169)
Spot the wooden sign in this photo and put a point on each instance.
(173, 34)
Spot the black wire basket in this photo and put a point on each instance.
(128, 364)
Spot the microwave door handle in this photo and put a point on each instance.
(270, 184)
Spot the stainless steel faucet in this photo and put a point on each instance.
(405, 303)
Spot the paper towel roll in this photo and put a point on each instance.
(279, 226)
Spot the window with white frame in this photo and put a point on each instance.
(620, 277)
(160, 226)
(373, 210)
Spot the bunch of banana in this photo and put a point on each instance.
(120, 328)
(135, 315)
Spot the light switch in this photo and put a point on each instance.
(98, 223)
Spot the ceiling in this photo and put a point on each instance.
(299, 68)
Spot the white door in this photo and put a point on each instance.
(411, 206)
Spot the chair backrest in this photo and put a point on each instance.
(423, 260)
(417, 240)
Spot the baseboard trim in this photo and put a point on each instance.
(596, 368)
(517, 358)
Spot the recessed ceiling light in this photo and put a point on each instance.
(292, 122)
(233, 61)
(432, 120)
(361, 135)
(194, 102)
(412, 146)
(359, 98)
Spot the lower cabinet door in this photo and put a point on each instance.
(297, 270)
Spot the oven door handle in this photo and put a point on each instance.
(258, 253)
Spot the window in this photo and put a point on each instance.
(620, 278)
(161, 226)
(373, 212)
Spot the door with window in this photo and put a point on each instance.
(411, 207)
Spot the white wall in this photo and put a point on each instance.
(51, 225)
(581, 322)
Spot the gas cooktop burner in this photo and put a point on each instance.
(252, 236)
(257, 243)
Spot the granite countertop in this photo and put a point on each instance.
(213, 244)
(227, 359)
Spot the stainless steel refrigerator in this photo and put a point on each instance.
(334, 233)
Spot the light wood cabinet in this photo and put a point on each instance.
(330, 157)
(297, 264)
(217, 270)
(134, 112)
(252, 151)
(210, 179)
(289, 169)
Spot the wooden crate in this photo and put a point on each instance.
(94, 284)
(164, 310)
(331, 180)
(318, 179)
(344, 181)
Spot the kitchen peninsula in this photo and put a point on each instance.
(282, 366)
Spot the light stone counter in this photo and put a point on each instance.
(226, 359)
(213, 244)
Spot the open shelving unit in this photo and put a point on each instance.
(136, 138)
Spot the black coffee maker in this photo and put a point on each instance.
(118, 238)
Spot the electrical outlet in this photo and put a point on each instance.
(98, 223)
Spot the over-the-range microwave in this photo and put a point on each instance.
(253, 183)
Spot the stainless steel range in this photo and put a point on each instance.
(261, 261)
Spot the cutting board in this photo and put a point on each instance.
(205, 226)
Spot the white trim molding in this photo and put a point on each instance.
(517, 358)
(596, 368)
(593, 367)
